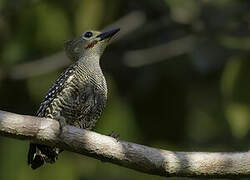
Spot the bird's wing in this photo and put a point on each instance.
(55, 89)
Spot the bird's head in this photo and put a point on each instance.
(88, 43)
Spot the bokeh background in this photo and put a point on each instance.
(178, 76)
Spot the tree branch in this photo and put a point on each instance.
(138, 157)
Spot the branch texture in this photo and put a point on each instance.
(138, 157)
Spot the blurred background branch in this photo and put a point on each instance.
(138, 157)
(184, 64)
(46, 65)
(142, 57)
(128, 24)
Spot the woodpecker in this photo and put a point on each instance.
(79, 95)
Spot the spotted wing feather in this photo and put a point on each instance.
(38, 154)
(55, 89)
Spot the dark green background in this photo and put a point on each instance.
(193, 96)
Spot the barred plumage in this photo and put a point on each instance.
(79, 94)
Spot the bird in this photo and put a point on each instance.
(79, 95)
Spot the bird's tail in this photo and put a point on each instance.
(40, 154)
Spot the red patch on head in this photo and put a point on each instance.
(92, 44)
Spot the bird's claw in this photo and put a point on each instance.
(114, 135)
(62, 123)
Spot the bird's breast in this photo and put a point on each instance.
(82, 100)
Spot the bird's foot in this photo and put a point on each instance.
(114, 135)
(62, 123)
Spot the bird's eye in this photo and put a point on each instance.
(88, 34)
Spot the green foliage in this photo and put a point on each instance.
(236, 89)
(197, 99)
(93, 9)
(12, 52)
(49, 33)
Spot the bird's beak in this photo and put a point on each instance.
(108, 34)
